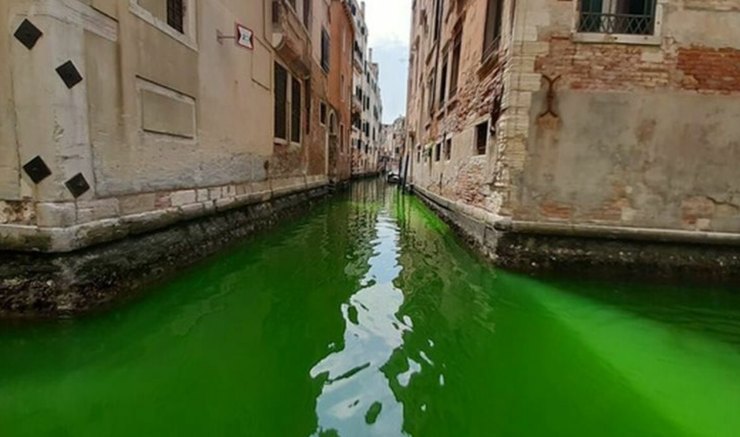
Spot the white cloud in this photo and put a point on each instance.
(388, 22)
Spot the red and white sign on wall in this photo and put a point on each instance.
(244, 37)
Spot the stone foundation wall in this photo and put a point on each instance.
(600, 256)
(68, 226)
(58, 285)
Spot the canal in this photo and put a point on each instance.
(367, 317)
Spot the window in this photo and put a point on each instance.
(448, 149)
(325, 46)
(307, 13)
(455, 67)
(481, 138)
(307, 87)
(438, 152)
(438, 19)
(431, 94)
(632, 17)
(418, 153)
(281, 102)
(341, 136)
(493, 28)
(288, 108)
(176, 15)
(322, 113)
(443, 82)
(295, 113)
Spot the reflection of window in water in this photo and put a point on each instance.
(357, 398)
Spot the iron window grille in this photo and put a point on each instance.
(629, 17)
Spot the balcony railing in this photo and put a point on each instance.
(617, 17)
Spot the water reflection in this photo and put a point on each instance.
(356, 398)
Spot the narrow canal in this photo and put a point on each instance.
(367, 317)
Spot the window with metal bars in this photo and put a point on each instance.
(630, 17)
(176, 15)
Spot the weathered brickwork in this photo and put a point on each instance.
(462, 173)
(621, 67)
(626, 130)
(705, 69)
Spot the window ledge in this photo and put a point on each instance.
(148, 17)
(605, 38)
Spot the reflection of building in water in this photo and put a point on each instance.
(357, 398)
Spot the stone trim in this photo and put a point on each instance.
(187, 39)
(106, 221)
(79, 14)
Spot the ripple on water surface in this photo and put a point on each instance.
(367, 317)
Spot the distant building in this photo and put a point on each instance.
(393, 139)
(367, 107)
(614, 114)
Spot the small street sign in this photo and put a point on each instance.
(244, 37)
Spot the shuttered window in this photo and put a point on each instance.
(175, 14)
(281, 101)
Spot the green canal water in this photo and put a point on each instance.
(367, 317)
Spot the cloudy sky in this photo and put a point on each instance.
(388, 23)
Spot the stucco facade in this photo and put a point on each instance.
(577, 118)
(128, 115)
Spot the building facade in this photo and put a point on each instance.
(367, 105)
(123, 115)
(591, 117)
(393, 139)
(340, 91)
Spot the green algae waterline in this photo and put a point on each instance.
(367, 317)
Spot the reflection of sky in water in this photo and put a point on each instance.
(356, 392)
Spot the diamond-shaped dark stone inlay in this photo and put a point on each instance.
(77, 185)
(28, 34)
(37, 170)
(69, 74)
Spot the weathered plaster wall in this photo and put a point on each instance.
(641, 134)
(644, 135)
(9, 165)
(163, 124)
(663, 160)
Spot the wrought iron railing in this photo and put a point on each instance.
(632, 17)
